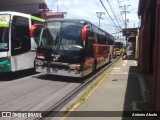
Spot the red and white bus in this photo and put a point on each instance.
(72, 47)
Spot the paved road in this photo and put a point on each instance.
(34, 93)
(27, 91)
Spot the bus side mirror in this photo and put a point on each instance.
(35, 30)
(84, 32)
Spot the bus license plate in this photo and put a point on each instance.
(55, 71)
(48, 70)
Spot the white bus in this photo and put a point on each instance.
(17, 44)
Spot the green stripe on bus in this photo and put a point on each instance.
(4, 23)
(5, 66)
(38, 19)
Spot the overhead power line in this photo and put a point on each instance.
(117, 27)
(119, 8)
(112, 10)
(118, 14)
(98, 6)
(52, 4)
(69, 12)
(125, 12)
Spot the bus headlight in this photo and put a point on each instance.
(38, 62)
(40, 56)
(75, 66)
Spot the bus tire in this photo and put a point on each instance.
(109, 58)
(94, 67)
(34, 69)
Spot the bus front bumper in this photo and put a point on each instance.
(60, 72)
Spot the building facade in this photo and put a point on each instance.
(34, 7)
(149, 44)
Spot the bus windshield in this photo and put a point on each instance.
(118, 45)
(50, 34)
(63, 37)
(4, 32)
(4, 39)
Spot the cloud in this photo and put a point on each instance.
(86, 9)
(64, 2)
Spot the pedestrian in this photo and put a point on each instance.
(124, 54)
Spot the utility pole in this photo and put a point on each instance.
(99, 14)
(57, 7)
(125, 13)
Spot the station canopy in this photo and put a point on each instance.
(130, 32)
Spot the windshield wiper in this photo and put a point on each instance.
(56, 43)
(59, 43)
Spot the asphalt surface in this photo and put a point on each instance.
(34, 93)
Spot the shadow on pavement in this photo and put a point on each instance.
(16, 75)
(59, 78)
(133, 90)
(133, 96)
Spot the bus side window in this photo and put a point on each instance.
(14, 36)
(89, 43)
(20, 35)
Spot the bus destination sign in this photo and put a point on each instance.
(4, 20)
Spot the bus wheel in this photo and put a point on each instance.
(34, 69)
(94, 66)
(109, 58)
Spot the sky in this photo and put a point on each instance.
(113, 18)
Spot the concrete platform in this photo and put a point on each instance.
(121, 91)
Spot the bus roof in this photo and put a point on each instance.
(82, 21)
(71, 20)
(22, 14)
(37, 18)
(14, 13)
